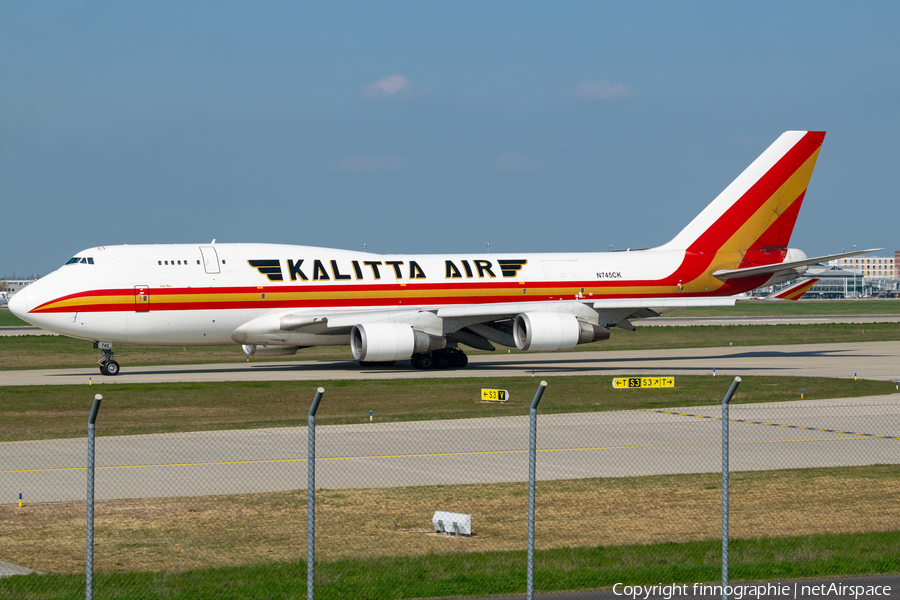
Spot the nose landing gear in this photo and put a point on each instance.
(107, 365)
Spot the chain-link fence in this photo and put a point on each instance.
(622, 496)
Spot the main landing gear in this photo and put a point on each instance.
(107, 365)
(447, 358)
(376, 363)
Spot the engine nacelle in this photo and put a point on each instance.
(549, 332)
(379, 342)
(255, 350)
(794, 254)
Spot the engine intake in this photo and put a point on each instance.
(549, 332)
(378, 342)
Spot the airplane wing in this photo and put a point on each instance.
(784, 268)
(793, 292)
(475, 325)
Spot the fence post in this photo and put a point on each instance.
(311, 496)
(532, 463)
(725, 401)
(89, 560)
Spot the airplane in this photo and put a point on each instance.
(275, 299)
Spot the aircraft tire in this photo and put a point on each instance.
(103, 370)
(425, 361)
(459, 360)
(111, 367)
(441, 360)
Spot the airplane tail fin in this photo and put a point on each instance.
(751, 221)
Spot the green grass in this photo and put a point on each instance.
(779, 558)
(7, 319)
(757, 308)
(43, 352)
(44, 412)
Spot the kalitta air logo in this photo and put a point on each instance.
(330, 270)
(269, 268)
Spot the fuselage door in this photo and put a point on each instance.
(141, 298)
(210, 259)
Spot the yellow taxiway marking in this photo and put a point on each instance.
(872, 435)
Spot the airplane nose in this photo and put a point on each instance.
(18, 304)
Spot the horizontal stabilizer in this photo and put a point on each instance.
(793, 292)
(772, 269)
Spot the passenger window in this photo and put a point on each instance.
(159, 262)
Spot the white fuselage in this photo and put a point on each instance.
(190, 303)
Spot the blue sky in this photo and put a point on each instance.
(432, 127)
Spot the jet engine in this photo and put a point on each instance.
(255, 350)
(549, 332)
(380, 342)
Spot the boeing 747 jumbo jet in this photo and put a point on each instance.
(274, 299)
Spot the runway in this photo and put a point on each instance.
(869, 360)
(425, 453)
(23, 330)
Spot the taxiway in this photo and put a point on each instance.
(845, 432)
(867, 360)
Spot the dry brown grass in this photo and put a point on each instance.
(176, 534)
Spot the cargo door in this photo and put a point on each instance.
(141, 298)
(210, 259)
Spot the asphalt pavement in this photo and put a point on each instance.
(843, 432)
(867, 360)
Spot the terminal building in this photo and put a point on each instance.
(873, 266)
(11, 286)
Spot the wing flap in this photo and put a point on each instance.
(653, 303)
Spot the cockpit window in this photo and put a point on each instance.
(80, 260)
(73, 260)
